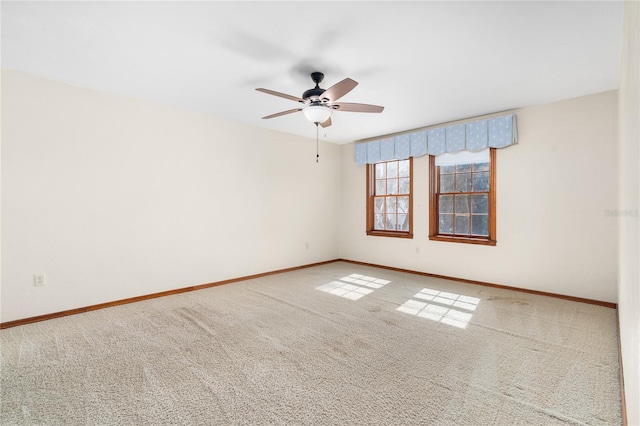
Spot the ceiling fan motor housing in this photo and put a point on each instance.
(313, 93)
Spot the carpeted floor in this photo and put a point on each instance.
(332, 344)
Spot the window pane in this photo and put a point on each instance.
(446, 204)
(392, 169)
(481, 181)
(403, 222)
(480, 203)
(380, 170)
(403, 170)
(392, 186)
(462, 224)
(378, 221)
(461, 168)
(446, 224)
(391, 204)
(446, 183)
(480, 225)
(403, 205)
(404, 186)
(462, 203)
(463, 182)
(381, 187)
(391, 222)
(379, 205)
(447, 169)
(480, 167)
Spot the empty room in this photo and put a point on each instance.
(320, 212)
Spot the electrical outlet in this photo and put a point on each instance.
(417, 250)
(38, 280)
(306, 246)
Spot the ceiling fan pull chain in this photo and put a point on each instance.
(317, 154)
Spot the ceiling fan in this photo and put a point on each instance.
(318, 104)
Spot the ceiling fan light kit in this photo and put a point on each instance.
(320, 103)
(317, 113)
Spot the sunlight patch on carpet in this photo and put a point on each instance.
(441, 309)
(353, 286)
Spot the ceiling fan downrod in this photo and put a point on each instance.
(317, 78)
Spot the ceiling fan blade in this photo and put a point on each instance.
(282, 95)
(338, 90)
(278, 114)
(346, 106)
(326, 123)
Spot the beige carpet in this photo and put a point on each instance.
(333, 344)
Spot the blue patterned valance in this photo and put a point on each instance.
(498, 132)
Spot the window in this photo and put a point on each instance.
(389, 198)
(462, 199)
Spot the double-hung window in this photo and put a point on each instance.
(390, 199)
(462, 197)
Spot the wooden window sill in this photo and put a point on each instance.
(463, 240)
(390, 234)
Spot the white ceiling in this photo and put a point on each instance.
(426, 62)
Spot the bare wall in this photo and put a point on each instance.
(629, 204)
(113, 197)
(554, 190)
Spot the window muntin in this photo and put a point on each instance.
(389, 198)
(462, 201)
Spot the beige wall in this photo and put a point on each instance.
(113, 197)
(629, 179)
(553, 189)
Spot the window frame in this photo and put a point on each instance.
(371, 176)
(434, 217)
